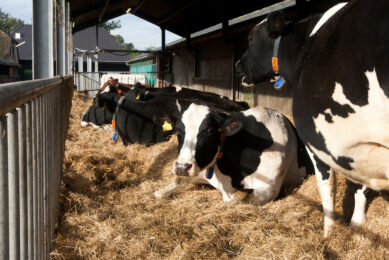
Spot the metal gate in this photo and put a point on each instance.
(34, 119)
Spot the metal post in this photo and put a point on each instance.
(42, 34)
(4, 223)
(61, 38)
(35, 175)
(30, 187)
(96, 62)
(46, 178)
(81, 63)
(22, 181)
(89, 63)
(67, 38)
(13, 185)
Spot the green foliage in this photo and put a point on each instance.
(111, 25)
(126, 45)
(8, 23)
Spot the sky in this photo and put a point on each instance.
(141, 33)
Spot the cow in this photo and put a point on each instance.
(131, 128)
(264, 141)
(247, 155)
(337, 65)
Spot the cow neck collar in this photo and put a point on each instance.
(120, 102)
(280, 81)
(219, 155)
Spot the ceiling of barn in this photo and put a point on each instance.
(181, 17)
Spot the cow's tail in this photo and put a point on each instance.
(303, 158)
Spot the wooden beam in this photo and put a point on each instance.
(137, 6)
(103, 11)
(180, 10)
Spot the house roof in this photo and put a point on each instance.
(84, 40)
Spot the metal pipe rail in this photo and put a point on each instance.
(34, 119)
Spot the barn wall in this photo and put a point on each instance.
(208, 65)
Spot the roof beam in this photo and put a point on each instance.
(174, 14)
(103, 11)
(138, 5)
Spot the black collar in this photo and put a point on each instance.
(219, 155)
(274, 59)
(120, 102)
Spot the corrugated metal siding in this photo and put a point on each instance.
(147, 68)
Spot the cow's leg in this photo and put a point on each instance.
(168, 190)
(359, 213)
(326, 182)
(238, 197)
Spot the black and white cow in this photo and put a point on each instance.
(337, 64)
(247, 155)
(131, 128)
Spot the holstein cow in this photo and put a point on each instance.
(247, 155)
(132, 128)
(338, 66)
(252, 153)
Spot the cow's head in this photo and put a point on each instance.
(256, 63)
(199, 132)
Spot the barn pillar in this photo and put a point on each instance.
(42, 35)
(96, 56)
(162, 58)
(88, 63)
(81, 63)
(61, 36)
(68, 39)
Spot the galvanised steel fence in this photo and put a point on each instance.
(34, 119)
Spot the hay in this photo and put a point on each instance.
(108, 212)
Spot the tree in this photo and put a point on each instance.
(8, 23)
(111, 25)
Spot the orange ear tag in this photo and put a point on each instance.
(120, 91)
(274, 63)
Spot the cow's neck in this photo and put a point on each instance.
(292, 48)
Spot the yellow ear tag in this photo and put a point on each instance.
(105, 106)
(167, 126)
(137, 97)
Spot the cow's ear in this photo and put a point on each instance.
(231, 126)
(277, 24)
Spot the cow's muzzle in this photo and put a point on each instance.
(182, 169)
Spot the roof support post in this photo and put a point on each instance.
(162, 57)
(61, 47)
(96, 56)
(42, 35)
(88, 63)
(67, 38)
(81, 63)
(187, 31)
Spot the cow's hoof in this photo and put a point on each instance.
(160, 195)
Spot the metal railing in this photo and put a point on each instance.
(91, 81)
(34, 119)
(87, 81)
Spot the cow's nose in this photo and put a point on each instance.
(182, 169)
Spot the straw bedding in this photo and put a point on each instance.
(108, 211)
